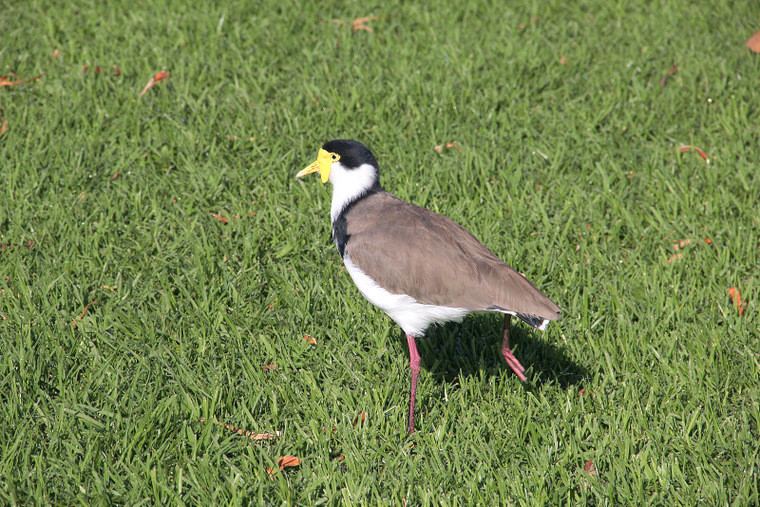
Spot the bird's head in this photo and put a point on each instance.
(345, 161)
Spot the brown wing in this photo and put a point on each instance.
(412, 250)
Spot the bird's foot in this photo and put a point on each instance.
(513, 362)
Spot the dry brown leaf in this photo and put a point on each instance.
(249, 434)
(160, 76)
(562, 60)
(98, 70)
(669, 73)
(733, 292)
(30, 244)
(283, 462)
(701, 152)
(522, 25)
(360, 418)
(288, 461)
(87, 307)
(590, 469)
(754, 43)
(265, 436)
(269, 367)
(680, 244)
(453, 144)
(222, 219)
(6, 80)
(359, 23)
(309, 339)
(4, 126)
(55, 53)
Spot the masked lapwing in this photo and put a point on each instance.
(417, 266)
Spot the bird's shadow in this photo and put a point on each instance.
(474, 345)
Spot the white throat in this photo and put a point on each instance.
(348, 184)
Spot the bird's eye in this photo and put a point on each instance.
(334, 157)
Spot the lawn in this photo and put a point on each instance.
(160, 266)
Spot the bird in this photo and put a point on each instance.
(417, 266)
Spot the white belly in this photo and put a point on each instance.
(413, 317)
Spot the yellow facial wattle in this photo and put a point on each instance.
(323, 164)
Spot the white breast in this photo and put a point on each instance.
(348, 185)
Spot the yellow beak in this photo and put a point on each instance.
(323, 164)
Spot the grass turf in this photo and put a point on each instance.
(569, 170)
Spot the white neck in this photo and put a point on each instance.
(348, 184)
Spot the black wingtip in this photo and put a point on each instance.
(533, 320)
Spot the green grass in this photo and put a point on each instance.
(570, 173)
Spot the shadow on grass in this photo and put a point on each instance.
(473, 346)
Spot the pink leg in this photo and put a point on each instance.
(414, 364)
(507, 352)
